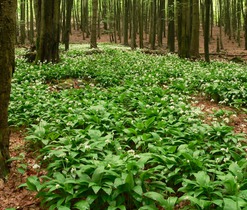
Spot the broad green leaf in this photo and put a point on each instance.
(94, 134)
(155, 196)
(202, 178)
(129, 181)
(148, 207)
(149, 122)
(230, 204)
(138, 189)
(59, 177)
(82, 205)
(63, 208)
(236, 170)
(96, 189)
(98, 174)
(107, 190)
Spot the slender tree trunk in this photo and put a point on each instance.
(140, 23)
(126, 22)
(93, 40)
(220, 25)
(48, 43)
(153, 24)
(239, 21)
(133, 24)
(171, 27)
(23, 23)
(161, 21)
(69, 6)
(245, 25)
(31, 38)
(194, 44)
(184, 24)
(206, 30)
(228, 21)
(7, 63)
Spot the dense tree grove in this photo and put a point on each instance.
(140, 23)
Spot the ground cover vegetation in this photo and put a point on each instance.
(116, 130)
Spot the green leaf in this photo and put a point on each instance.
(129, 181)
(59, 177)
(155, 196)
(149, 122)
(148, 207)
(94, 134)
(82, 205)
(98, 174)
(202, 178)
(33, 183)
(63, 208)
(138, 189)
(230, 204)
(108, 190)
(96, 189)
(236, 170)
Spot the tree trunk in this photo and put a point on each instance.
(184, 25)
(48, 43)
(239, 21)
(153, 24)
(93, 40)
(194, 44)
(161, 24)
(140, 8)
(220, 26)
(206, 30)
(245, 25)
(31, 37)
(22, 23)
(126, 22)
(7, 63)
(69, 5)
(133, 25)
(171, 27)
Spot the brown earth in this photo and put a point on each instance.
(231, 49)
(11, 196)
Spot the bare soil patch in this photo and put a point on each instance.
(217, 112)
(11, 196)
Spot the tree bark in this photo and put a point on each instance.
(206, 30)
(7, 63)
(23, 23)
(93, 38)
(69, 5)
(126, 22)
(31, 37)
(245, 25)
(171, 27)
(48, 40)
(133, 25)
(184, 25)
(194, 44)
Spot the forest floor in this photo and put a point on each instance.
(13, 197)
(231, 49)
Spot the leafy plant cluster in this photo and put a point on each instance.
(222, 82)
(129, 138)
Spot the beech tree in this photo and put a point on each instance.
(48, 39)
(93, 40)
(7, 63)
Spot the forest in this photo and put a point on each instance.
(123, 104)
